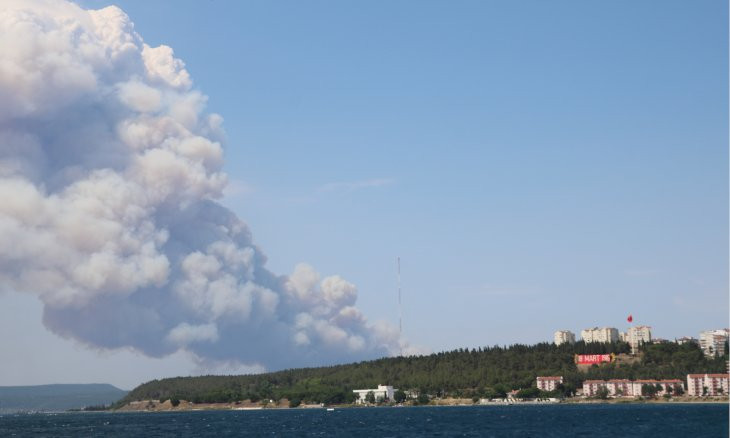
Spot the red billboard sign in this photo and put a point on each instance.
(590, 359)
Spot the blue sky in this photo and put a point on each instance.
(536, 165)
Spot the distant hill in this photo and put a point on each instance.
(57, 397)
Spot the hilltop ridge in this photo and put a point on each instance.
(57, 397)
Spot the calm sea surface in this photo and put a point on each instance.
(658, 420)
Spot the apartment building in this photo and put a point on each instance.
(629, 388)
(602, 334)
(615, 387)
(707, 384)
(564, 337)
(637, 335)
(548, 383)
(712, 342)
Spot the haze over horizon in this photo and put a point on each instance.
(224, 187)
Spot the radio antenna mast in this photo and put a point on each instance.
(400, 312)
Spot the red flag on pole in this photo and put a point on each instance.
(630, 318)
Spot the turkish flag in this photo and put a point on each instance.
(630, 318)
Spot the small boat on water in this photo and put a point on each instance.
(330, 409)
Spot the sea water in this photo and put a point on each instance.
(575, 420)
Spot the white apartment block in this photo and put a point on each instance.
(638, 385)
(712, 342)
(591, 387)
(382, 393)
(549, 383)
(716, 384)
(603, 334)
(616, 387)
(564, 337)
(637, 335)
(628, 388)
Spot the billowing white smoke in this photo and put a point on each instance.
(109, 171)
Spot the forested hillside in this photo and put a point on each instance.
(477, 372)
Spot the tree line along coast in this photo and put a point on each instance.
(497, 372)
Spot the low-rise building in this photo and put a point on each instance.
(660, 386)
(591, 387)
(712, 342)
(707, 384)
(620, 388)
(564, 337)
(615, 387)
(549, 383)
(381, 393)
(602, 334)
(630, 388)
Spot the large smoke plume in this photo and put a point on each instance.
(109, 174)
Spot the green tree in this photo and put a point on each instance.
(568, 389)
(370, 397)
(528, 393)
(294, 402)
(648, 390)
(174, 401)
(602, 393)
(490, 393)
(500, 390)
(399, 396)
(422, 399)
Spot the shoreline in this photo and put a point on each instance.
(157, 406)
(232, 407)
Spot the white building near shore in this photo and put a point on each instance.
(381, 393)
(699, 385)
(548, 383)
(629, 388)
